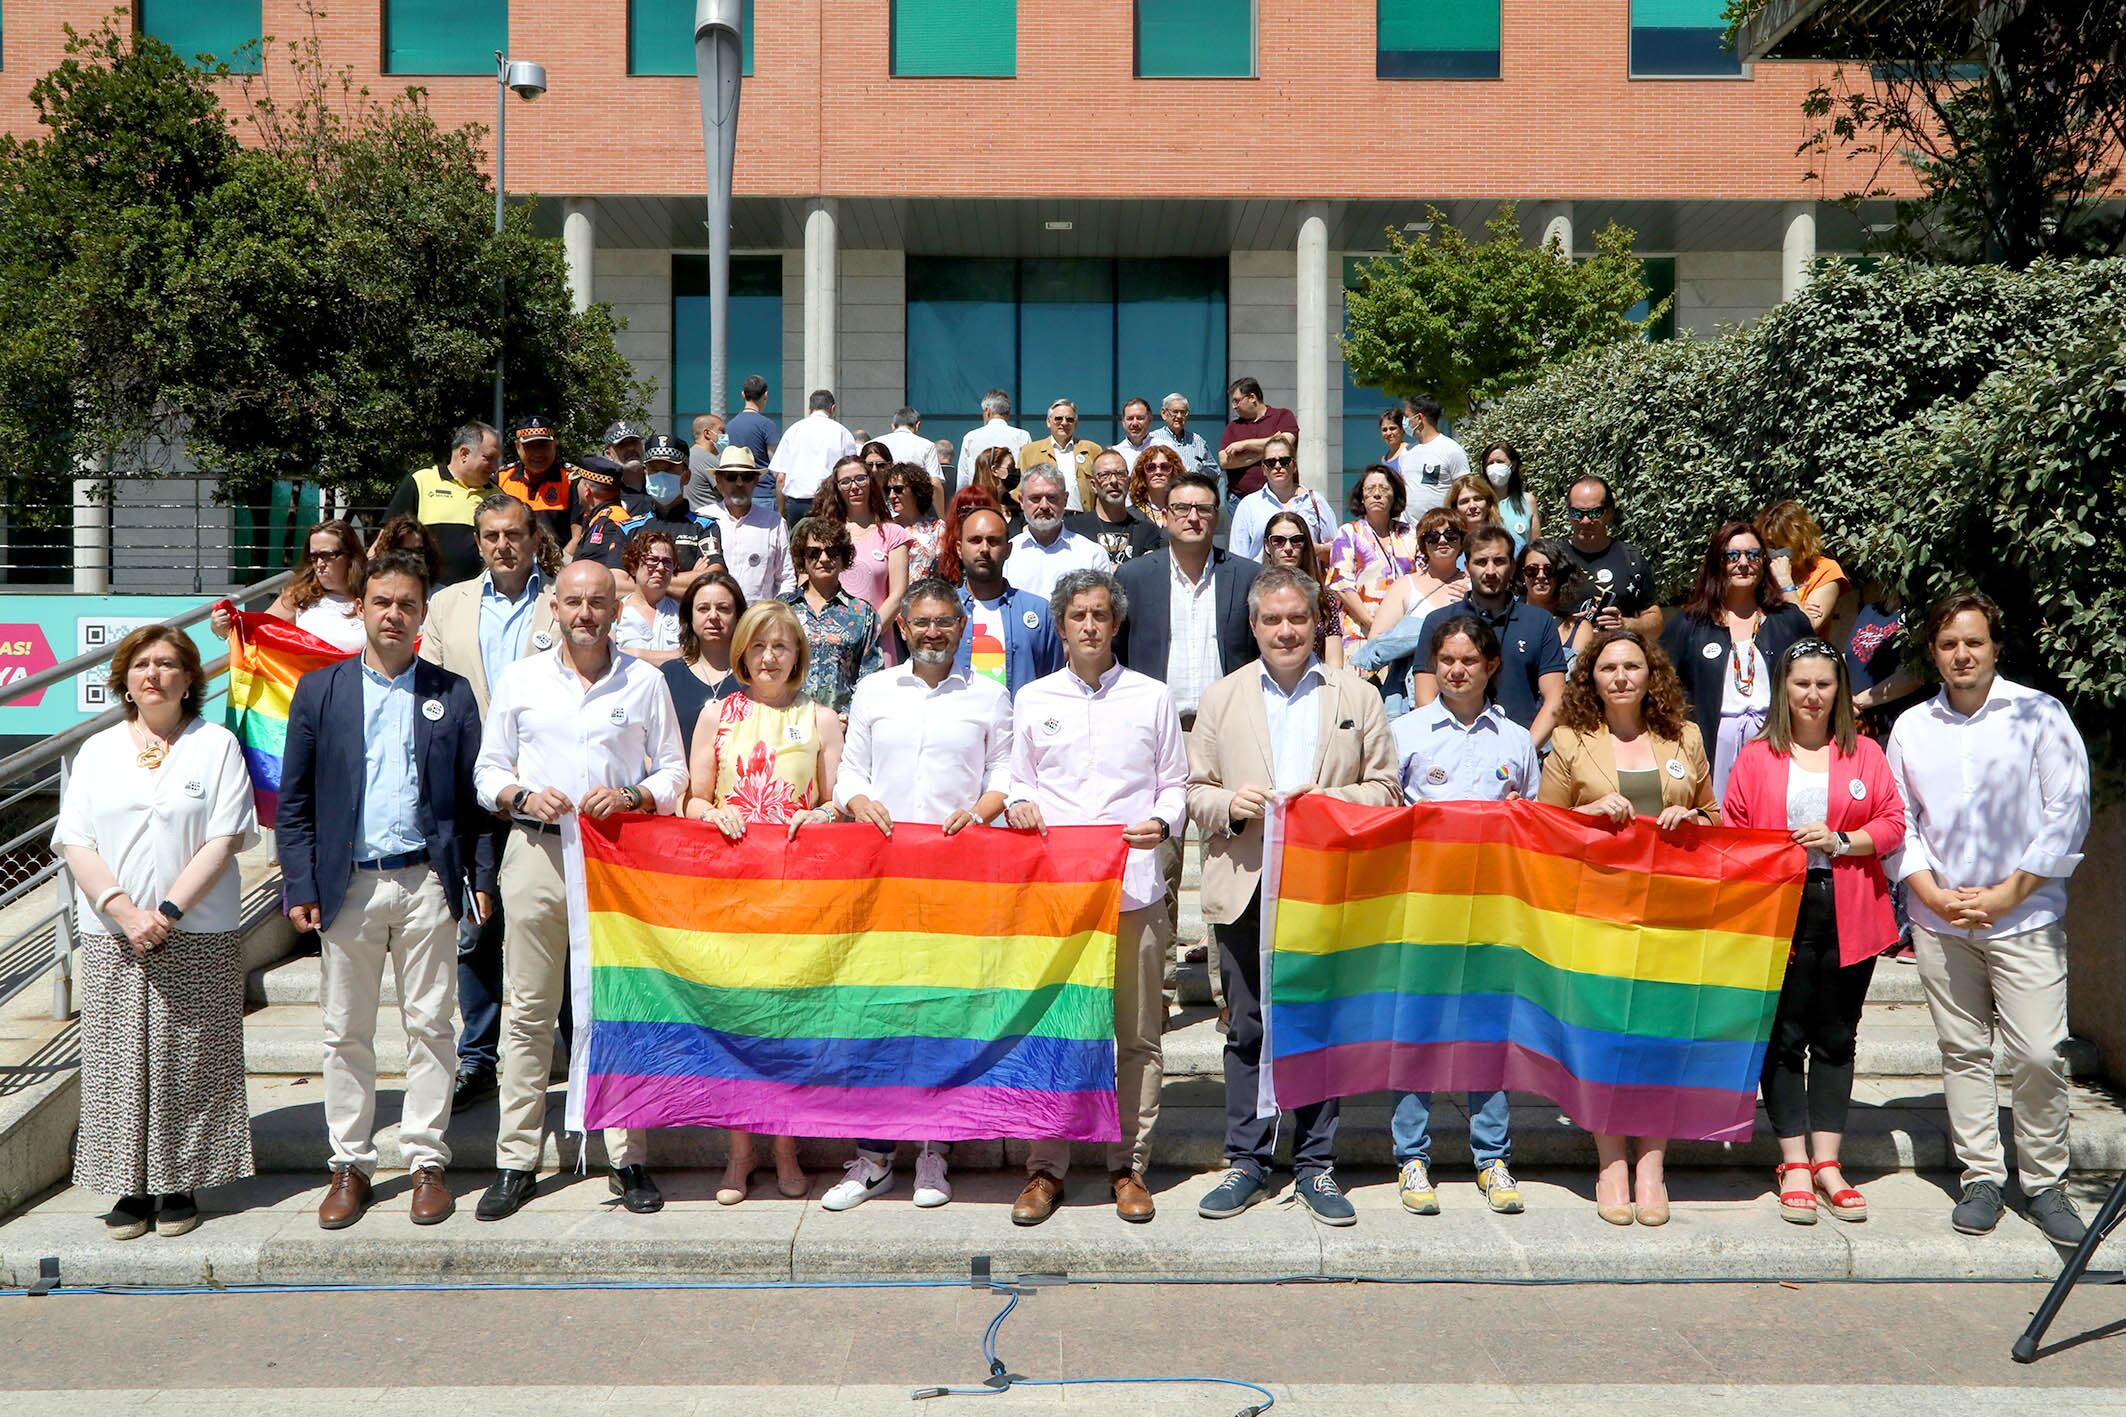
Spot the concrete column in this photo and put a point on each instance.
(823, 294)
(579, 238)
(1797, 252)
(1310, 376)
(1556, 225)
(92, 532)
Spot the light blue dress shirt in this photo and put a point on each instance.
(391, 783)
(1443, 761)
(503, 625)
(1295, 726)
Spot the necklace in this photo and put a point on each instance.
(151, 749)
(1745, 672)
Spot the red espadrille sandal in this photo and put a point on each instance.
(1845, 1203)
(1798, 1206)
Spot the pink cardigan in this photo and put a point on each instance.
(1756, 797)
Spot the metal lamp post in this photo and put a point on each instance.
(528, 80)
(719, 60)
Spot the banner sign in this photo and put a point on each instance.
(39, 631)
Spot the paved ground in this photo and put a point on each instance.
(1567, 1349)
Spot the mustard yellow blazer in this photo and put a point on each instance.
(1583, 766)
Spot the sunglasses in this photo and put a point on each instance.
(739, 477)
(1293, 542)
(821, 553)
(1276, 462)
(1739, 556)
(320, 557)
(876, 464)
(1538, 573)
(1586, 514)
(1441, 538)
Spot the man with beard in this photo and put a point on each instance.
(1120, 532)
(1010, 639)
(1043, 553)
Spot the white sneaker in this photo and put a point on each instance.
(864, 1179)
(931, 1187)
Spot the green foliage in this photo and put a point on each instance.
(1464, 320)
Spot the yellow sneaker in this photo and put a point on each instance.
(1416, 1191)
(1500, 1192)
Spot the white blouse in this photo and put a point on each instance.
(148, 824)
(630, 631)
(337, 620)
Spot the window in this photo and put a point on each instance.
(218, 29)
(1658, 275)
(1438, 39)
(955, 38)
(755, 345)
(1681, 39)
(1097, 332)
(444, 36)
(1195, 39)
(660, 37)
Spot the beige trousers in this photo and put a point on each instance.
(1143, 939)
(2015, 985)
(534, 980)
(403, 916)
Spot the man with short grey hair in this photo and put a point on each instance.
(907, 444)
(446, 498)
(1041, 554)
(1173, 431)
(996, 432)
(1065, 451)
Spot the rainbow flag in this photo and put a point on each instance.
(1628, 975)
(266, 656)
(844, 984)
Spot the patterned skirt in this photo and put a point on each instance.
(162, 1065)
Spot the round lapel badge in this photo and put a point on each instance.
(1711, 651)
(1437, 775)
(1675, 768)
(1605, 576)
(753, 559)
(880, 555)
(195, 788)
(1859, 790)
(1052, 726)
(432, 710)
(542, 640)
(1031, 620)
(617, 716)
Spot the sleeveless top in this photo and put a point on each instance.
(767, 759)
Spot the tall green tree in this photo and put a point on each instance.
(1465, 320)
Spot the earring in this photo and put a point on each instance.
(129, 696)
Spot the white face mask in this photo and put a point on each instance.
(1500, 474)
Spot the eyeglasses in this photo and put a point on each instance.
(820, 553)
(875, 464)
(1191, 509)
(949, 622)
(1740, 555)
(665, 561)
(1293, 542)
(1586, 514)
(852, 484)
(318, 558)
(1276, 462)
(1441, 538)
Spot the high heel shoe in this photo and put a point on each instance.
(1614, 1214)
(729, 1194)
(1652, 1215)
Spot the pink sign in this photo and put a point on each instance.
(24, 651)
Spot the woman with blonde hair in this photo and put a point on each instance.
(1437, 579)
(1804, 576)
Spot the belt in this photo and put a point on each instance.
(395, 863)
(533, 824)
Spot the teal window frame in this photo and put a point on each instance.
(1681, 39)
(660, 38)
(756, 335)
(1172, 34)
(1472, 25)
(915, 27)
(442, 16)
(229, 32)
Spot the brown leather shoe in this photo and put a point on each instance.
(345, 1199)
(1039, 1200)
(1133, 1202)
(432, 1200)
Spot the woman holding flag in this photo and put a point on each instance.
(324, 597)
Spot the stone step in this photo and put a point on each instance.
(1895, 1125)
(1725, 1226)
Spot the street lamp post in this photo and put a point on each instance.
(718, 60)
(529, 81)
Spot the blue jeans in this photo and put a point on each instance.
(1489, 1114)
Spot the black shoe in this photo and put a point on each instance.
(475, 1085)
(1979, 1211)
(507, 1195)
(177, 1213)
(2054, 1214)
(635, 1188)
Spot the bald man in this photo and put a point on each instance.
(579, 728)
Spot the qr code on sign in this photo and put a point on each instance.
(94, 634)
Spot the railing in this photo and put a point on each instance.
(41, 772)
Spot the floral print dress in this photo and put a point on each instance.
(767, 759)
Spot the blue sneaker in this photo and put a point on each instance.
(1328, 1203)
(1236, 1191)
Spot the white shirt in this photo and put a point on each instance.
(1132, 451)
(631, 631)
(2004, 790)
(1105, 755)
(1065, 458)
(994, 433)
(807, 453)
(147, 826)
(1428, 470)
(1191, 635)
(1295, 726)
(925, 753)
(1035, 568)
(756, 549)
(1252, 518)
(546, 729)
(908, 445)
(337, 620)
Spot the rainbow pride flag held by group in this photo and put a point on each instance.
(1628, 975)
(844, 984)
(266, 656)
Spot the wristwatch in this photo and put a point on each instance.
(1845, 843)
(169, 908)
(1166, 833)
(633, 796)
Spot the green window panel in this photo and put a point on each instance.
(1681, 39)
(444, 36)
(218, 29)
(1658, 275)
(755, 344)
(1195, 39)
(1437, 39)
(955, 39)
(660, 37)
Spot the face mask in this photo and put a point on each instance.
(723, 440)
(662, 486)
(1409, 430)
(1500, 474)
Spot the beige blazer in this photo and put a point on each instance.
(1582, 767)
(1042, 451)
(1229, 748)
(451, 636)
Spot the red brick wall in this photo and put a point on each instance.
(1562, 122)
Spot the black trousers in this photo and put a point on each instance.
(1250, 1140)
(1808, 1067)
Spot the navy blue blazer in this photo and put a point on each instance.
(1144, 638)
(322, 776)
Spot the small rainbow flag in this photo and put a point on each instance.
(266, 656)
(844, 984)
(1628, 975)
